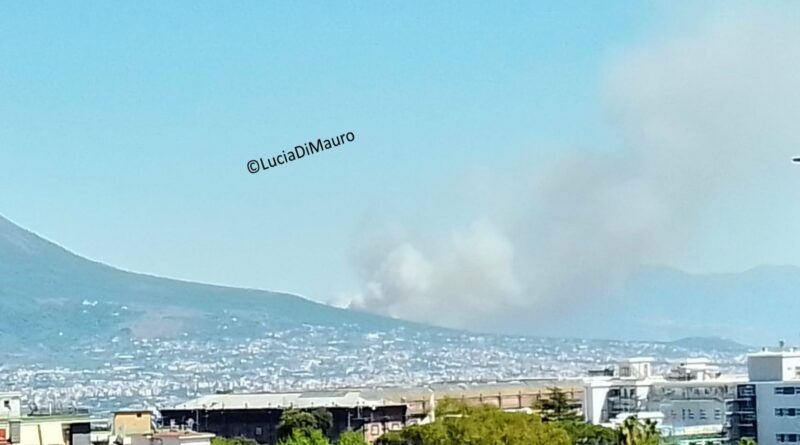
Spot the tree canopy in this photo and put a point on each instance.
(467, 425)
(556, 406)
(305, 421)
(461, 424)
(233, 441)
(300, 437)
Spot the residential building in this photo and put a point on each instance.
(688, 403)
(767, 407)
(53, 425)
(127, 423)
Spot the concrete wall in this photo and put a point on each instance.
(43, 433)
(767, 401)
(126, 423)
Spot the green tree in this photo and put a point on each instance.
(323, 419)
(299, 437)
(747, 441)
(634, 432)
(351, 438)
(305, 421)
(296, 420)
(459, 424)
(393, 438)
(630, 432)
(650, 432)
(556, 406)
(233, 441)
(582, 433)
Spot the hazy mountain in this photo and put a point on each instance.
(50, 297)
(757, 307)
(711, 344)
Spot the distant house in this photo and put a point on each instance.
(127, 423)
(48, 426)
(688, 404)
(257, 416)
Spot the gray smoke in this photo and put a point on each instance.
(700, 117)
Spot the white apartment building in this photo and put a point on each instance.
(688, 403)
(767, 408)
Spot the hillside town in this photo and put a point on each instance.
(692, 401)
(153, 371)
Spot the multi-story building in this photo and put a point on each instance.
(688, 403)
(48, 426)
(257, 416)
(767, 407)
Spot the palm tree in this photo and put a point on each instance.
(634, 432)
(650, 434)
(630, 432)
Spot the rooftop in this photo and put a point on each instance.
(785, 353)
(182, 434)
(300, 400)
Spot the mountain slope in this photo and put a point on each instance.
(51, 297)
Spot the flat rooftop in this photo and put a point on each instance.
(183, 434)
(300, 400)
(775, 354)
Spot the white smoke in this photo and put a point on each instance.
(699, 116)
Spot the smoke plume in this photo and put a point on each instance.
(699, 117)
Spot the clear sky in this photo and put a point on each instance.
(125, 127)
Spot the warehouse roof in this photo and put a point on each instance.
(299, 400)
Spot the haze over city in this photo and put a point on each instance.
(415, 223)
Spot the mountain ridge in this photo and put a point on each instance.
(56, 296)
(52, 293)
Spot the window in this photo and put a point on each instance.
(703, 414)
(717, 414)
(691, 414)
(259, 431)
(785, 390)
(786, 437)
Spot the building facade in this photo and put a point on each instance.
(767, 407)
(688, 403)
(257, 416)
(47, 426)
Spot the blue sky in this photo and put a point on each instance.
(125, 128)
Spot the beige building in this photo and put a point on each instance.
(129, 422)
